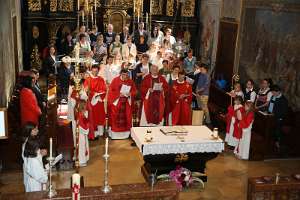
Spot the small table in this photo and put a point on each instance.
(190, 150)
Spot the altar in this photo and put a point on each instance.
(162, 152)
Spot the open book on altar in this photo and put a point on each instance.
(157, 86)
(174, 130)
(125, 89)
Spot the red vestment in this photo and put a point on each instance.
(95, 87)
(181, 113)
(237, 130)
(120, 114)
(30, 111)
(154, 104)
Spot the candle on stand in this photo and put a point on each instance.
(146, 18)
(95, 5)
(50, 148)
(106, 146)
(78, 4)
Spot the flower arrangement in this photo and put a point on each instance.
(183, 177)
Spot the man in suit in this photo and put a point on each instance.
(109, 36)
(140, 32)
(124, 35)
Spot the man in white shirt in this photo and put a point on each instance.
(169, 37)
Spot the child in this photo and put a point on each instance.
(233, 130)
(34, 173)
(242, 149)
(83, 125)
(237, 91)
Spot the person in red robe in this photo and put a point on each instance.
(246, 121)
(154, 89)
(96, 88)
(234, 116)
(181, 100)
(30, 110)
(121, 95)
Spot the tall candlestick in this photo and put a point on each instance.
(50, 147)
(106, 146)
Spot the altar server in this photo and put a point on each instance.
(242, 149)
(34, 173)
(154, 89)
(233, 130)
(96, 88)
(181, 100)
(83, 143)
(121, 95)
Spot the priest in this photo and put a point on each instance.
(121, 94)
(154, 89)
(96, 88)
(181, 100)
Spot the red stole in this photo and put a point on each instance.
(120, 115)
(237, 130)
(181, 113)
(154, 105)
(97, 113)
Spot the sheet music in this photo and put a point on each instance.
(125, 89)
(189, 80)
(56, 160)
(157, 86)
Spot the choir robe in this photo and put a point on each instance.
(153, 102)
(242, 149)
(72, 97)
(83, 147)
(30, 110)
(233, 130)
(97, 91)
(120, 110)
(181, 108)
(35, 174)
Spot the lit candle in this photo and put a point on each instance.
(50, 147)
(106, 146)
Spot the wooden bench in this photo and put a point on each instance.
(265, 188)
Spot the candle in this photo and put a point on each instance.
(146, 18)
(92, 17)
(106, 146)
(75, 186)
(50, 147)
(83, 17)
(78, 4)
(95, 5)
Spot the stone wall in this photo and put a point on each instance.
(11, 47)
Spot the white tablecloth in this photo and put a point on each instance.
(197, 140)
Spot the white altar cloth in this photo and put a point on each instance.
(198, 140)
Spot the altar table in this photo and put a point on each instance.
(191, 150)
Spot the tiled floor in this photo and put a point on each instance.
(227, 176)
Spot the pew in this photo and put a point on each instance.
(287, 187)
